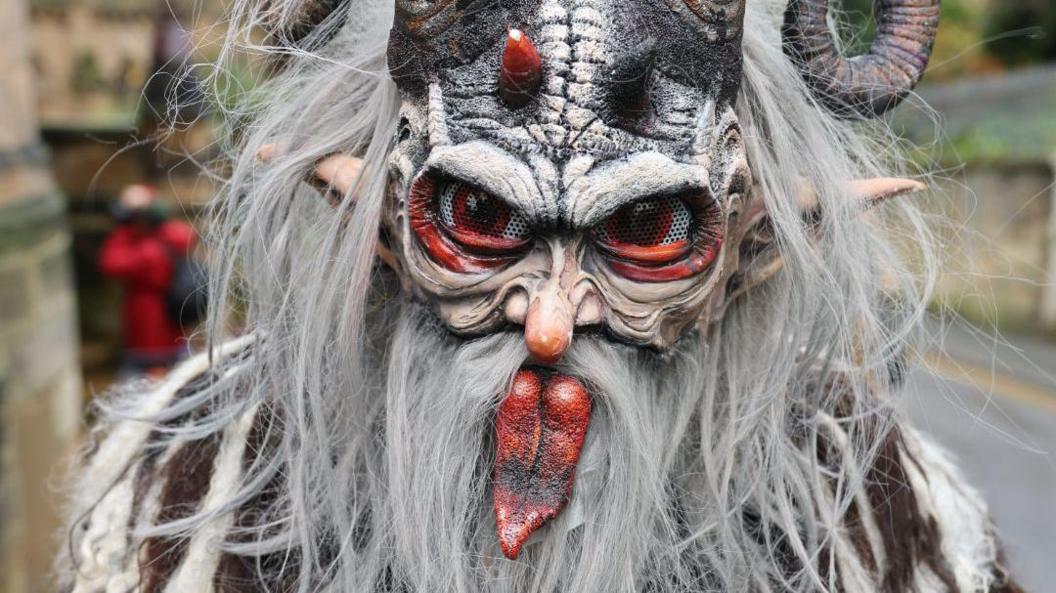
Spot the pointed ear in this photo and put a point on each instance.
(873, 192)
(338, 173)
(759, 256)
(867, 192)
(334, 175)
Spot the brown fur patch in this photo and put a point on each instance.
(908, 536)
(272, 572)
(146, 471)
(187, 476)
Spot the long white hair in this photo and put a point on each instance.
(702, 471)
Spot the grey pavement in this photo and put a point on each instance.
(1031, 359)
(992, 403)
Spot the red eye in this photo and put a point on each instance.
(650, 231)
(480, 220)
(660, 239)
(463, 228)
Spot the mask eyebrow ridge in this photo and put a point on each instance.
(484, 166)
(596, 195)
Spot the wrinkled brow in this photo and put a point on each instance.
(493, 170)
(601, 192)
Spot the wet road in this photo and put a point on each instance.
(1002, 429)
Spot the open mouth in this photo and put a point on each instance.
(539, 432)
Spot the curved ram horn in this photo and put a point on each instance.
(418, 29)
(291, 26)
(870, 84)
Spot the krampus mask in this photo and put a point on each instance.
(593, 287)
(568, 166)
(592, 304)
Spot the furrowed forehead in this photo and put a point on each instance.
(607, 89)
(579, 194)
(695, 33)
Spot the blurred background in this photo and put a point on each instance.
(99, 218)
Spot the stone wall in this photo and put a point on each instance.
(40, 385)
(997, 225)
(90, 64)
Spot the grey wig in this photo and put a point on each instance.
(343, 446)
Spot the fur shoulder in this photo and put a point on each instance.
(117, 497)
(967, 538)
(914, 524)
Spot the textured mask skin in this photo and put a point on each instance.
(635, 104)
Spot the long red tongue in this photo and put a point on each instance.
(539, 433)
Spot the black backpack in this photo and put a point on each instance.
(189, 292)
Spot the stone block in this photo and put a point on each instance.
(994, 237)
(14, 292)
(43, 350)
(36, 455)
(30, 220)
(56, 270)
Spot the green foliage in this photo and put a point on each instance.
(860, 12)
(1006, 137)
(1022, 32)
(87, 76)
(957, 51)
(859, 27)
(975, 33)
(232, 85)
(1007, 119)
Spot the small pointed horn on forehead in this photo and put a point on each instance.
(521, 71)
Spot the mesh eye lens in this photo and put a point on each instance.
(662, 238)
(479, 219)
(659, 228)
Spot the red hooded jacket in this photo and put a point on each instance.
(144, 260)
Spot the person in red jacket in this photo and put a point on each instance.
(142, 252)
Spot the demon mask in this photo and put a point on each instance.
(564, 166)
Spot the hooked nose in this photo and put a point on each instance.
(549, 324)
(552, 309)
